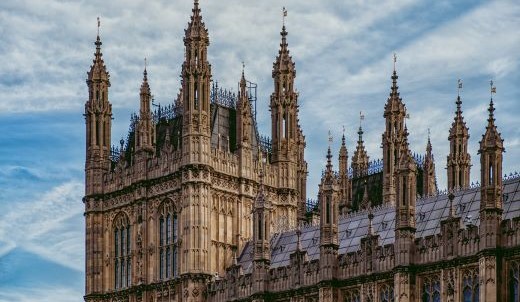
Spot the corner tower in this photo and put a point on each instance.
(98, 119)
(196, 77)
(287, 137)
(395, 113)
(195, 266)
(459, 160)
(491, 207)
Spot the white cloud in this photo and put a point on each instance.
(50, 225)
(30, 294)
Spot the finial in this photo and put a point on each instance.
(395, 61)
(493, 89)
(459, 87)
(429, 133)
(330, 138)
(370, 218)
(284, 15)
(451, 196)
(298, 242)
(343, 136)
(361, 118)
(98, 25)
(243, 67)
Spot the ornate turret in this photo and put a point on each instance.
(261, 240)
(491, 204)
(429, 177)
(244, 116)
(344, 181)
(98, 118)
(360, 159)
(406, 194)
(328, 198)
(284, 105)
(196, 77)
(459, 160)
(395, 114)
(145, 130)
(287, 137)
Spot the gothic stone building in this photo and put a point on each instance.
(197, 206)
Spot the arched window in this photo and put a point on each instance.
(470, 290)
(168, 241)
(387, 293)
(352, 296)
(514, 282)
(431, 289)
(122, 252)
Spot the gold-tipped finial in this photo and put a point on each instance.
(459, 87)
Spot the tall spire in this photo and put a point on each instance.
(459, 160)
(98, 116)
(244, 114)
(360, 159)
(429, 176)
(98, 71)
(394, 114)
(284, 63)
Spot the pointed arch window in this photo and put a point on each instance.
(431, 289)
(352, 296)
(168, 241)
(122, 252)
(387, 293)
(514, 282)
(470, 288)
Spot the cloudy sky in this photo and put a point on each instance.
(343, 52)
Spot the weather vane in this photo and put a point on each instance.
(493, 88)
(330, 138)
(459, 87)
(395, 59)
(361, 118)
(284, 12)
(98, 25)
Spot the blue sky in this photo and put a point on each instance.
(343, 52)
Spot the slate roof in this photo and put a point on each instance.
(430, 212)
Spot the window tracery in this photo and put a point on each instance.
(168, 241)
(387, 293)
(470, 288)
(431, 289)
(122, 252)
(514, 282)
(352, 296)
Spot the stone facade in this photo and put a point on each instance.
(197, 206)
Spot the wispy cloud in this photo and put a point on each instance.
(343, 53)
(50, 226)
